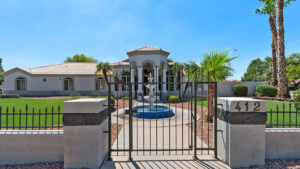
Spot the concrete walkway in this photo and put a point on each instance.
(168, 162)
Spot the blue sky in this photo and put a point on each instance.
(42, 32)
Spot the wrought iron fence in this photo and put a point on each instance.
(30, 118)
(285, 115)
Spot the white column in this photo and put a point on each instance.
(156, 80)
(132, 76)
(140, 79)
(164, 80)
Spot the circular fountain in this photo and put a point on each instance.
(151, 111)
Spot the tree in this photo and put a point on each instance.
(80, 58)
(269, 8)
(256, 71)
(282, 79)
(192, 71)
(216, 66)
(1, 70)
(293, 67)
(104, 69)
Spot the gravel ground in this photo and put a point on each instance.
(280, 164)
(115, 130)
(205, 130)
(58, 165)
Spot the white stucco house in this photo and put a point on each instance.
(68, 78)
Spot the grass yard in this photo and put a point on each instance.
(44, 107)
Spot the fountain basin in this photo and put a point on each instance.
(157, 112)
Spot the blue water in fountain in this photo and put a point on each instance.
(156, 112)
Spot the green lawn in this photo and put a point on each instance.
(43, 106)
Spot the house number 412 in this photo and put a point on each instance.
(256, 106)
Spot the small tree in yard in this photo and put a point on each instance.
(216, 66)
(104, 69)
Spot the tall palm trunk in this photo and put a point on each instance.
(211, 95)
(272, 22)
(282, 79)
(106, 78)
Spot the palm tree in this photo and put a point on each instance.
(216, 67)
(177, 69)
(104, 69)
(190, 70)
(269, 8)
(282, 79)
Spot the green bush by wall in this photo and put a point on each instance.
(172, 98)
(240, 90)
(266, 90)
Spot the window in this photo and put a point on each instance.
(68, 84)
(170, 81)
(125, 79)
(116, 84)
(21, 83)
(100, 84)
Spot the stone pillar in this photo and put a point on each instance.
(140, 81)
(241, 131)
(85, 143)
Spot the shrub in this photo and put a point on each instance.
(94, 94)
(113, 100)
(75, 95)
(240, 90)
(9, 96)
(125, 98)
(266, 90)
(296, 98)
(172, 98)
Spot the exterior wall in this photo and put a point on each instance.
(282, 143)
(20, 147)
(53, 86)
(225, 88)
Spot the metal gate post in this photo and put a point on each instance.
(195, 120)
(215, 120)
(130, 121)
(109, 122)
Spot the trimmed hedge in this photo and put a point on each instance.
(172, 98)
(266, 90)
(240, 90)
(125, 98)
(93, 95)
(296, 98)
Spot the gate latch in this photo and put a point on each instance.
(105, 131)
(132, 111)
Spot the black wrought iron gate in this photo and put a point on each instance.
(190, 131)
